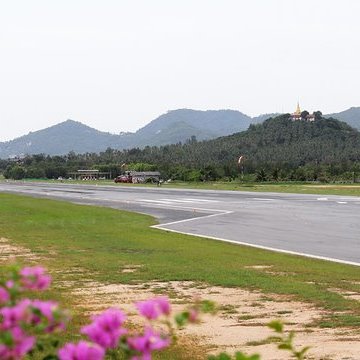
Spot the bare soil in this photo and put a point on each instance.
(239, 325)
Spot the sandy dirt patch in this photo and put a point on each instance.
(9, 252)
(239, 325)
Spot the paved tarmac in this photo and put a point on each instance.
(310, 225)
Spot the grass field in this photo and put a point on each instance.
(282, 187)
(298, 188)
(104, 241)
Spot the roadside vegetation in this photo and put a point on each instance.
(104, 241)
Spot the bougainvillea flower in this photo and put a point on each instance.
(81, 351)
(49, 312)
(4, 296)
(16, 315)
(193, 315)
(106, 328)
(153, 308)
(147, 343)
(21, 345)
(34, 278)
(163, 304)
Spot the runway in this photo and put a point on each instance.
(325, 227)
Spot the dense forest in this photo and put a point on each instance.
(277, 149)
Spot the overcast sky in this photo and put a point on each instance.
(117, 65)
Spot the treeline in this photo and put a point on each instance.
(278, 149)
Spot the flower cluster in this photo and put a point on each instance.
(24, 321)
(107, 332)
(153, 308)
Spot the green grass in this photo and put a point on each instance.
(104, 241)
(280, 187)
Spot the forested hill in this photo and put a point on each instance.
(284, 142)
(285, 149)
(170, 128)
(276, 142)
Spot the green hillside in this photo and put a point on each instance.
(276, 149)
(276, 142)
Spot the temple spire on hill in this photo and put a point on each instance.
(299, 115)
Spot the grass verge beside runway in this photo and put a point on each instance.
(104, 241)
(279, 187)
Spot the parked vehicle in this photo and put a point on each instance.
(123, 179)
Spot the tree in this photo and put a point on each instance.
(17, 172)
(304, 114)
(261, 175)
(318, 115)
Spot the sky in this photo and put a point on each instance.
(115, 65)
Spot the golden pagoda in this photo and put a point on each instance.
(297, 114)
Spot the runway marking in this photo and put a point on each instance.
(155, 201)
(178, 201)
(201, 200)
(159, 226)
(192, 208)
(253, 245)
(171, 201)
(261, 199)
(342, 202)
(322, 199)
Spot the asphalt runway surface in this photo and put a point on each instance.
(318, 226)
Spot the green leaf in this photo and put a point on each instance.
(50, 357)
(182, 318)
(6, 338)
(39, 346)
(300, 354)
(285, 346)
(55, 343)
(222, 356)
(242, 356)
(208, 306)
(276, 325)
(254, 357)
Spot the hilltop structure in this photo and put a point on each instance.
(301, 115)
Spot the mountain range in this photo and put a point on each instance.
(173, 127)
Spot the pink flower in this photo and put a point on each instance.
(49, 312)
(81, 351)
(21, 345)
(16, 315)
(153, 308)
(106, 328)
(4, 296)
(193, 315)
(34, 278)
(147, 343)
(10, 284)
(164, 305)
(33, 313)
